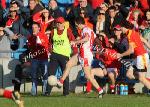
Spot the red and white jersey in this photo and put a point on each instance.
(86, 48)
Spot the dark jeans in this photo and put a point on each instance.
(57, 60)
(20, 73)
(42, 64)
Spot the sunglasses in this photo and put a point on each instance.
(82, 13)
(13, 11)
(59, 23)
(101, 13)
(117, 29)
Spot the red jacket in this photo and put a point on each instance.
(37, 18)
(10, 21)
(93, 3)
(39, 46)
(145, 4)
(3, 3)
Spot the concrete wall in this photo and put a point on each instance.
(7, 67)
(75, 84)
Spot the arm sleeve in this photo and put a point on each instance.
(70, 35)
(9, 32)
(37, 18)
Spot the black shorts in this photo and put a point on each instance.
(135, 69)
(97, 64)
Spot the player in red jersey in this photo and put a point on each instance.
(110, 65)
(12, 95)
(136, 47)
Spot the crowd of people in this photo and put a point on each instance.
(102, 35)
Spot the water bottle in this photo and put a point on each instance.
(125, 89)
(117, 89)
(148, 92)
(105, 88)
(121, 89)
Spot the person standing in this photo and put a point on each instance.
(5, 58)
(61, 37)
(85, 56)
(38, 45)
(140, 54)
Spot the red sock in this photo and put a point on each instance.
(148, 79)
(7, 94)
(88, 86)
(112, 87)
(61, 81)
(99, 89)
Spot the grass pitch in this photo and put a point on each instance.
(81, 100)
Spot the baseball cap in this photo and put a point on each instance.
(117, 27)
(60, 20)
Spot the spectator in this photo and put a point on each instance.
(13, 4)
(110, 2)
(136, 19)
(94, 3)
(61, 50)
(111, 21)
(15, 23)
(122, 9)
(5, 41)
(103, 6)
(146, 27)
(134, 6)
(34, 7)
(5, 56)
(100, 24)
(121, 42)
(64, 4)
(83, 13)
(54, 9)
(84, 4)
(44, 19)
(38, 44)
(145, 23)
(75, 12)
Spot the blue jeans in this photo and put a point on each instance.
(35, 64)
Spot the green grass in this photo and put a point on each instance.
(81, 100)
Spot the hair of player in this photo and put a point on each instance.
(80, 20)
